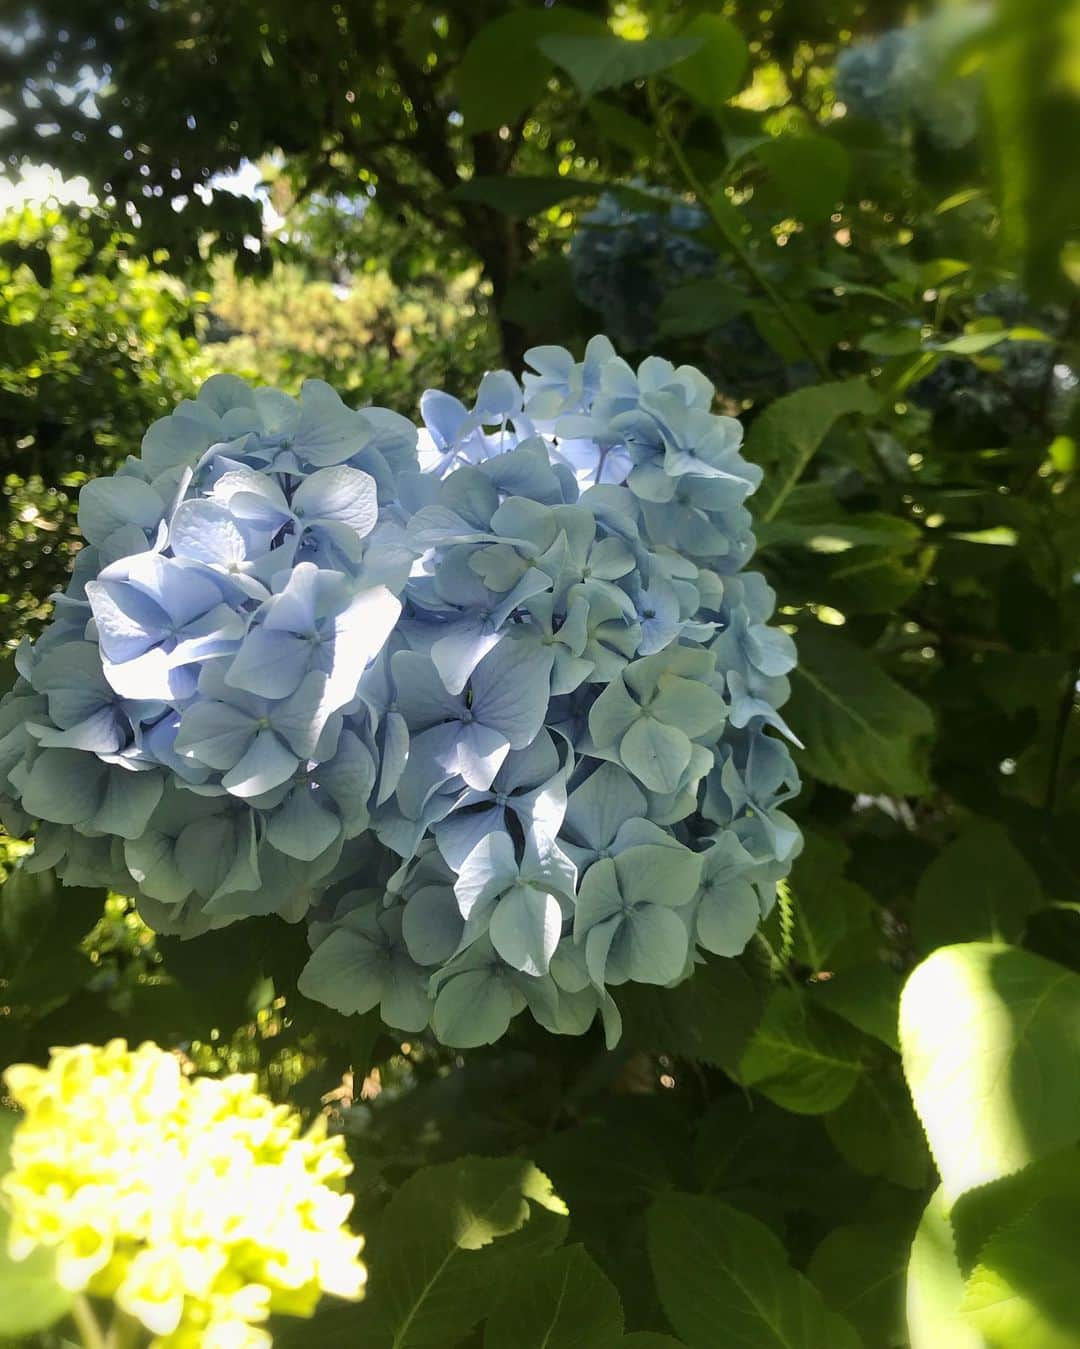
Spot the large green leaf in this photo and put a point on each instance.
(709, 1016)
(867, 995)
(827, 906)
(522, 195)
(809, 174)
(724, 1280)
(503, 73)
(860, 1271)
(447, 1244)
(30, 1298)
(1022, 1293)
(979, 889)
(991, 1047)
(787, 435)
(563, 1302)
(935, 1285)
(802, 1058)
(597, 63)
(877, 1132)
(42, 924)
(712, 74)
(861, 730)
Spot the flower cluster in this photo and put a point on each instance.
(195, 1205)
(624, 261)
(492, 705)
(902, 78)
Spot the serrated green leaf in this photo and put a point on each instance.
(935, 1285)
(1022, 1293)
(991, 1050)
(713, 73)
(803, 1059)
(596, 63)
(448, 1241)
(877, 1132)
(860, 1272)
(564, 1301)
(724, 1279)
(867, 995)
(787, 435)
(979, 889)
(826, 905)
(861, 730)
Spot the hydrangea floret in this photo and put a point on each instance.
(491, 704)
(195, 1205)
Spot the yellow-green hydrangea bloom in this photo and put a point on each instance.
(197, 1205)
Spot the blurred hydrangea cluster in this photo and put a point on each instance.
(902, 79)
(195, 1205)
(492, 704)
(625, 261)
(1017, 386)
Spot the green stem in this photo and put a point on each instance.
(86, 1323)
(741, 252)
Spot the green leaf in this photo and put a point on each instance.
(803, 1059)
(935, 1285)
(724, 1279)
(787, 435)
(1022, 1293)
(709, 1016)
(42, 924)
(522, 195)
(991, 1049)
(563, 1302)
(809, 175)
(623, 128)
(979, 889)
(30, 1298)
(861, 730)
(699, 307)
(502, 74)
(867, 995)
(649, 1339)
(447, 1243)
(713, 73)
(877, 1132)
(860, 1272)
(827, 906)
(596, 63)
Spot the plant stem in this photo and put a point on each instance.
(741, 252)
(87, 1323)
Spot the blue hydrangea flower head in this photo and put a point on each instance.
(492, 704)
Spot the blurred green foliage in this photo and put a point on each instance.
(753, 1162)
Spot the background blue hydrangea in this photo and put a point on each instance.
(904, 78)
(492, 705)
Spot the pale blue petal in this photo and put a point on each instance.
(525, 928)
(266, 764)
(302, 828)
